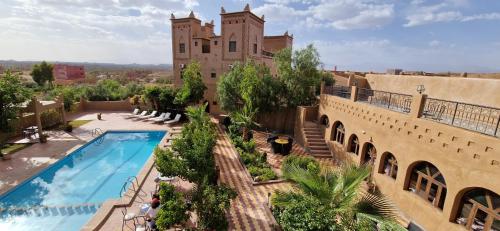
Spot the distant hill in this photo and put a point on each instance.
(27, 65)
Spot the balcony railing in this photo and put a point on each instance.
(392, 101)
(340, 91)
(468, 116)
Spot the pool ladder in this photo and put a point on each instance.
(96, 132)
(131, 180)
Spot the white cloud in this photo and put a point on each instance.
(342, 14)
(92, 30)
(446, 11)
(434, 43)
(487, 16)
(379, 54)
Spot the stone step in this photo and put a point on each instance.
(314, 136)
(313, 133)
(322, 155)
(315, 140)
(317, 148)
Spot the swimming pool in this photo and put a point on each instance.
(68, 193)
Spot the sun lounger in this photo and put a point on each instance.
(143, 113)
(158, 117)
(165, 117)
(135, 112)
(153, 114)
(175, 120)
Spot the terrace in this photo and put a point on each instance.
(477, 118)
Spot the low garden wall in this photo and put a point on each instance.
(282, 121)
(122, 105)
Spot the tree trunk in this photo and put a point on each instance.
(245, 134)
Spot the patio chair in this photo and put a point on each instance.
(153, 114)
(165, 117)
(133, 113)
(154, 118)
(176, 119)
(128, 216)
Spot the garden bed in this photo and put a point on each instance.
(255, 162)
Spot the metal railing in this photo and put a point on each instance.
(468, 116)
(340, 91)
(392, 101)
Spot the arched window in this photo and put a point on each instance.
(428, 182)
(479, 210)
(338, 132)
(353, 145)
(369, 154)
(323, 120)
(388, 165)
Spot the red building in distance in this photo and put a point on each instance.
(68, 74)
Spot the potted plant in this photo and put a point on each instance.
(43, 138)
(68, 128)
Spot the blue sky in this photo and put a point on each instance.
(365, 35)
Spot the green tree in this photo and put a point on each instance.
(42, 73)
(299, 74)
(12, 95)
(211, 203)
(338, 194)
(193, 88)
(245, 118)
(248, 83)
(173, 210)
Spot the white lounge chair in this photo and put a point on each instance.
(175, 120)
(155, 118)
(133, 113)
(143, 113)
(165, 117)
(153, 114)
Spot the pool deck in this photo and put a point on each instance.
(249, 211)
(31, 160)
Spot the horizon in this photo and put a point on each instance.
(418, 35)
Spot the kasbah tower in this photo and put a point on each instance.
(241, 39)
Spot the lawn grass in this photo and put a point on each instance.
(78, 123)
(11, 148)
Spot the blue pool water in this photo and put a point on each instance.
(68, 193)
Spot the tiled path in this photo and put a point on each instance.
(249, 210)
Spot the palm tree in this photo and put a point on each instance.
(340, 193)
(245, 119)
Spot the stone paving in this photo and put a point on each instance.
(29, 161)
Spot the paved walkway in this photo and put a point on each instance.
(249, 210)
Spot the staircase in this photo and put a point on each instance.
(315, 141)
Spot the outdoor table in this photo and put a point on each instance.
(29, 131)
(283, 142)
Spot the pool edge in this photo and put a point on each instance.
(106, 210)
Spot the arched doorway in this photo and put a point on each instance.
(427, 182)
(369, 154)
(338, 132)
(479, 209)
(388, 165)
(323, 120)
(207, 108)
(353, 144)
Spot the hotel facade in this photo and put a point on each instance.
(433, 144)
(241, 39)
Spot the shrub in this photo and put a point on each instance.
(173, 209)
(211, 202)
